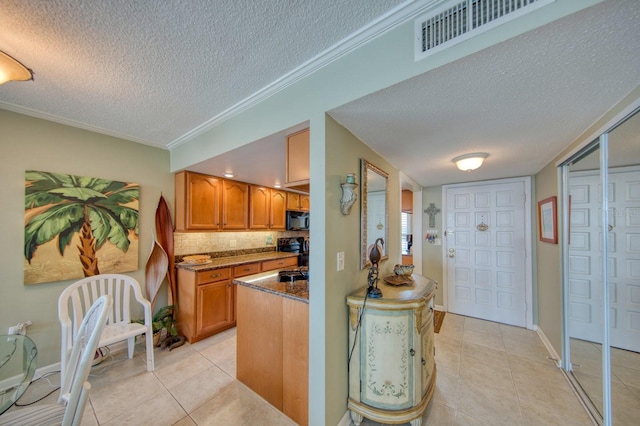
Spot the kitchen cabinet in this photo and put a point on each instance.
(198, 201)
(392, 369)
(206, 303)
(287, 262)
(407, 201)
(299, 202)
(297, 164)
(273, 350)
(267, 208)
(235, 205)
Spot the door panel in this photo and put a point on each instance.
(486, 263)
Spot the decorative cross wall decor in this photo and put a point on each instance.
(432, 211)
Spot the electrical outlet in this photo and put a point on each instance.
(232, 243)
(340, 260)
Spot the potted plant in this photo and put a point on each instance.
(165, 333)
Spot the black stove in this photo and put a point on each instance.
(291, 275)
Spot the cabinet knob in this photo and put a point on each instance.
(215, 275)
(423, 361)
(412, 352)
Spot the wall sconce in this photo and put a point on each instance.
(349, 195)
(469, 162)
(12, 70)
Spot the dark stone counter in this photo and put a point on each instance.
(269, 282)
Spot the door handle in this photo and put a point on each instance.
(452, 252)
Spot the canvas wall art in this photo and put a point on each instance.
(78, 226)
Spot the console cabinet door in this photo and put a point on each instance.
(387, 359)
(215, 307)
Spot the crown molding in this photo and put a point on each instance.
(73, 123)
(397, 16)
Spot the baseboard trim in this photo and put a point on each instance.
(439, 308)
(547, 344)
(345, 420)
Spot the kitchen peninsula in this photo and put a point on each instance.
(273, 340)
(206, 295)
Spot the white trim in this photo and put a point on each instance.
(439, 308)
(547, 344)
(345, 420)
(600, 130)
(528, 191)
(397, 16)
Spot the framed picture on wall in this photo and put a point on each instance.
(547, 223)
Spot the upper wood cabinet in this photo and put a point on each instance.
(235, 205)
(297, 201)
(298, 158)
(407, 201)
(198, 201)
(267, 208)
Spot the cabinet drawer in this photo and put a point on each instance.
(247, 269)
(288, 262)
(213, 275)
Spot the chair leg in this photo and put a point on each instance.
(131, 345)
(150, 361)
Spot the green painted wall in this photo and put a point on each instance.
(431, 253)
(31, 143)
(342, 234)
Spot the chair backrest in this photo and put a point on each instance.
(79, 296)
(74, 384)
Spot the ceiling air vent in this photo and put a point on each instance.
(455, 21)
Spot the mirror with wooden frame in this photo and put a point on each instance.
(374, 211)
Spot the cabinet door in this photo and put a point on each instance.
(293, 201)
(278, 209)
(198, 199)
(305, 203)
(387, 359)
(298, 157)
(260, 201)
(427, 356)
(215, 307)
(235, 205)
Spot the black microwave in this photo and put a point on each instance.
(297, 221)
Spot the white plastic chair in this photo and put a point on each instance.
(74, 391)
(76, 298)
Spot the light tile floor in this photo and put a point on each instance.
(488, 374)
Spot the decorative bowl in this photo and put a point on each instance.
(405, 270)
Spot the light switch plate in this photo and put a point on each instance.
(340, 261)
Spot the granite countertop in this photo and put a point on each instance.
(269, 282)
(221, 262)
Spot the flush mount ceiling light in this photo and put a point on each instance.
(228, 175)
(470, 162)
(12, 70)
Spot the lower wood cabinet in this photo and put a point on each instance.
(207, 299)
(206, 303)
(273, 350)
(392, 368)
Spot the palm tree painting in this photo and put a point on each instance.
(98, 217)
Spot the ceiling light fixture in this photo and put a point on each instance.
(470, 162)
(228, 175)
(12, 70)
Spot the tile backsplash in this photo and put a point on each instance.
(207, 242)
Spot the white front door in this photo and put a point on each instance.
(585, 252)
(487, 233)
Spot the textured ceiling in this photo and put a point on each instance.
(152, 72)
(522, 101)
